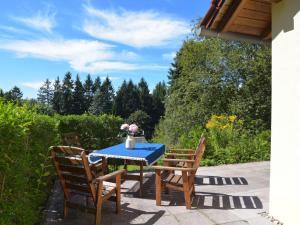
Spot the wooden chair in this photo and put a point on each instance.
(77, 177)
(71, 139)
(182, 154)
(185, 181)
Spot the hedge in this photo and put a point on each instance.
(26, 172)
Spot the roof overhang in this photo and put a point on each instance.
(248, 20)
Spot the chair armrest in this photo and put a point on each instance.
(110, 175)
(179, 160)
(172, 168)
(191, 151)
(180, 154)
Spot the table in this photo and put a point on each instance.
(144, 154)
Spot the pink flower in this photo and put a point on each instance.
(133, 128)
(124, 126)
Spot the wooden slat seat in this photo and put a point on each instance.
(78, 177)
(173, 179)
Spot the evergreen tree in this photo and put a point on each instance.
(95, 107)
(127, 100)
(78, 97)
(45, 93)
(57, 96)
(158, 95)
(15, 94)
(88, 91)
(174, 71)
(96, 85)
(145, 97)
(107, 96)
(67, 95)
(1, 93)
(103, 99)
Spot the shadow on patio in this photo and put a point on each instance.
(202, 200)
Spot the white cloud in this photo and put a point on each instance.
(169, 55)
(137, 29)
(110, 77)
(32, 84)
(43, 21)
(82, 55)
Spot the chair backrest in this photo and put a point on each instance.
(71, 139)
(199, 152)
(73, 170)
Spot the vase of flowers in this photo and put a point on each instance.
(130, 131)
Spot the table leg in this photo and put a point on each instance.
(141, 179)
(105, 165)
(125, 164)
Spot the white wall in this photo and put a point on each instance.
(285, 153)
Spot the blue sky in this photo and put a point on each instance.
(122, 39)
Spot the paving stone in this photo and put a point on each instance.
(240, 222)
(220, 216)
(193, 218)
(259, 220)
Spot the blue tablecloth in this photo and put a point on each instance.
(149, 153)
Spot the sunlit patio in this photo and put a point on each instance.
(229, 194)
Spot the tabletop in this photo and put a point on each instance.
(147, 152)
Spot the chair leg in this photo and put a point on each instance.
(167, 191)
(158, 187)
(186, 190)
(99, 204)
(118, 193)
(193, 191)
(98, 213)
(66, 209)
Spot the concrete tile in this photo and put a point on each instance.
(166, 220)
(259, 220)
(220, 216)
(193, 218)
(240, 222)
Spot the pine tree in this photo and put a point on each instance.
(1, 93)
(67, 95)
(107, 96)
(145, 97)
(57, 96)
(96, 85)
(174, 71)
(127, 100)
(103, 99)
(78, 97)
(88, 92)
(45, 93)
(158, 95)
(15, 94)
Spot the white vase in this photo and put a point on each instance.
(130, 142)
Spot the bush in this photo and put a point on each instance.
(228, 141)
(24, 163)
(25, 166)
(95, 131)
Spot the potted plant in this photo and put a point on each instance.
(130, 131)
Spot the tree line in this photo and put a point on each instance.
(132, 102)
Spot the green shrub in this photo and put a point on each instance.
(95, 131)
(24, 163)
(228, 141)
(25, 166)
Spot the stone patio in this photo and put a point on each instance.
(230, 194)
